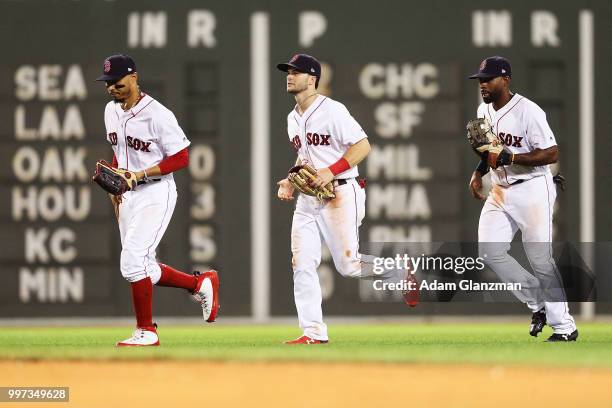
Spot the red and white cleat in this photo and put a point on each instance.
(306, 340)
(141, 337)
(207, 294)
(411, 296)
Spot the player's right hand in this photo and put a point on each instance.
(476, 186)
(285, 190)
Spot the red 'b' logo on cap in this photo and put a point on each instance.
(483, 64)
(292, 60)
(107, 66)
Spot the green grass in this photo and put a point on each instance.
(407, 343)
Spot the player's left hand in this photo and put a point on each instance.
(303, 177)
(324, 177)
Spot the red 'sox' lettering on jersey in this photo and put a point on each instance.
(316, 139)
(510, 140)
(517, 141)
(138, 144)
(297, 143)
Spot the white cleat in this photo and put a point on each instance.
(207, 294)
(141, 337)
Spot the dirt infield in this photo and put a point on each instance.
(211, 384)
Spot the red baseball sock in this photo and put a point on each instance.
(176, 279)
(142, 300)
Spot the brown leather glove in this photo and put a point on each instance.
(114, 181)
(483, 140)
(301, 176)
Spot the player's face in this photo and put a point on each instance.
(296, 81)
(491, 89)
(120, 90)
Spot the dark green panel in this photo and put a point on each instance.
(208, 89)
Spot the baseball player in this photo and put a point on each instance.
(522, 197)
(328, 138)
(147, 141)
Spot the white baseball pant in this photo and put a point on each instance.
(337, 222)
(527, 206)
(144, 215)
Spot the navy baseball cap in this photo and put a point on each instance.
(493, 67)
(303, 63)
(116, 67)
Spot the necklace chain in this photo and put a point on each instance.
(125, 105)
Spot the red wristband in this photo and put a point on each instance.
(340, 166)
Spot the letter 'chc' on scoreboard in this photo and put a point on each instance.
(399, 67)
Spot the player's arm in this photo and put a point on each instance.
(168, 165)
(537, 157)
(357, 152)
(353, 156)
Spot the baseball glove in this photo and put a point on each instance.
(559, 180)
(301, 176)
(115, 181)
(483, 140)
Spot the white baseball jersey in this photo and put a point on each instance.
(144, 135)
(521, 126)
(323, 133)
